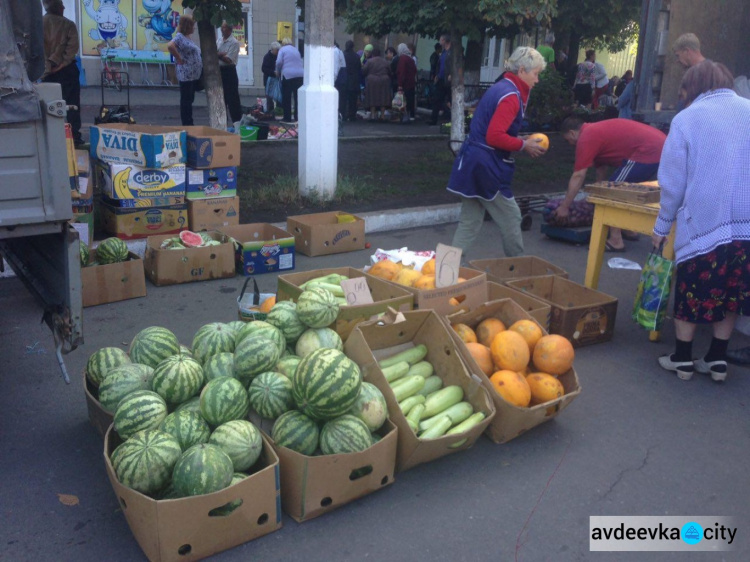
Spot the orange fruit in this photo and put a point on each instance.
(487, 329)
(553, 354)
(466, 334)
(544, 387)
(425, 282)
(543, 140)
(407, 277)
(512, 387)
(482, 356)
(385, 269)
(510, 351)
(529, 330)
(429, 267)
(267, 305)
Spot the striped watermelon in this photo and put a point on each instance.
(185, 350)
(235, 326)
(139, 410)
(345, 434)
(318, 338)
(224, 399)
(111, 250)
(188, 427)
(202, 469)
(103, 361)
(152, 345)
(317, 308)
(295, 431)
(145, 461)
(271, 395)
(262, 328)
(177, 378)
(191, 405)
(326, 384)
(122, 381)
(241, 441)
(224, 510)
(370, 407)
(83, 251)
(287, 365)
(284, 316)
(212, 339)
(254, 355)
(168, 493)
(219, 365)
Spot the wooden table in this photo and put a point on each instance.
(639, 217)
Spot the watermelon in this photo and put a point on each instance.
(212, 339)
(326, 384)
(219, 365)
(202, 469)
(191, 405)
(111, 250)
(226, 509)
(139, 410)
(122, 381)
(235, 326)
(191, 239)
(177, 378)
(271, 395)
(102, 361)
(185, 350)
(284, 316)
(287, 365)
(345, 434)
(83, 250)
(152, 345)
(264, 329)
(254, 355)
(318, 338)
(295, 431)
(222, 400)
(370, 407)
(145, 461)
(317, 308)
(187, 426)
(241, 441)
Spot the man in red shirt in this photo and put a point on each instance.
(632, 148)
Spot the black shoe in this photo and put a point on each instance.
(739, 356)
(78, 143)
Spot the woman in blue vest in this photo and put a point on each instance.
(483, 169)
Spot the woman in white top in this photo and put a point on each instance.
(291, 70)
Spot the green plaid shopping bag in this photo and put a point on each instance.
(652, 295)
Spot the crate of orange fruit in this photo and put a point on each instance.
(528, 372)
(469, 292)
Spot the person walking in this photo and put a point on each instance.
(704, 194)
(291, 70)
(406, 81)
(268, 68)
(229, 51)
(483, 170)
(353, 72)
(187, 56)
(60, 50)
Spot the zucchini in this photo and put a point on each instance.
(411, 356)
(336, 290)
(467, 424)
(431, 384)
(409, 387)
(457, 413)
(442, 400)
(415, 414)
(333, 279)
(408, 404)
(396, 371)
(424, 369)
(438, 429)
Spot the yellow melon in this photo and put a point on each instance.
(553, 354)
(487, 329)
(429, 267)
(510, 351)
(385, 269)
(482, 356)
(544, 387)
(529, 330)
(512, 387)
(466, 334)
(407, 277)
(425, 282)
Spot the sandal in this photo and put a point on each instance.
(679, 367)
(717, 375)
(610, 248)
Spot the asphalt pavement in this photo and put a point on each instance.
(637, 441)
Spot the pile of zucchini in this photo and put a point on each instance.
(431, 410)
(331, 283)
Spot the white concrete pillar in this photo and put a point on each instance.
(318, 104)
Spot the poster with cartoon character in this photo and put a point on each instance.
(104, 23)
(156, 24)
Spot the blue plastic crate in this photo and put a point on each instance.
(577, 235)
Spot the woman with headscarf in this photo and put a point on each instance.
(378, 94)
(406, 78)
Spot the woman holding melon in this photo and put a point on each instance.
(705, 193)
(483, 170)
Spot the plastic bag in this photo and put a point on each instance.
(398, 100)
(652, 295)
(405, 256)
(273, 89)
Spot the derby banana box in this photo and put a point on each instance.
(127, 185)
(193, 528)
(321, 234)
(144, 146)
(510, 420)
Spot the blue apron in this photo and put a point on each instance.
(480, 170)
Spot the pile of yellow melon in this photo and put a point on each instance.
(522, 363)
(408, 276)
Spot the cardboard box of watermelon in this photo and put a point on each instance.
(191, 256)
(511, 420)
(372, 342)
(111, 273)
(195, 527)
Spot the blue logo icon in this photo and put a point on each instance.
(691, 533)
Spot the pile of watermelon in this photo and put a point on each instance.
(110, 250)
(182, 413)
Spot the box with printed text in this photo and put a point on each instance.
(211, 183)
(261, 248)
(145, 146)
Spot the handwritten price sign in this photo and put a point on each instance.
(356, 291)
(447, 264)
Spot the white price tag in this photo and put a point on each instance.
(447, 264)
(356, 291)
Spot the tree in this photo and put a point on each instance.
(461, 19)
(209, 14)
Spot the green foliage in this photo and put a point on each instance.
(550, 101)
(215, 11)
(599, 23)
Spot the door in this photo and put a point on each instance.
(243, 32)
(493, 60)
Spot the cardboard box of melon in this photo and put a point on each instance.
(528, 372)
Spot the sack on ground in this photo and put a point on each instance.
(652, 294)
(581, 213)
